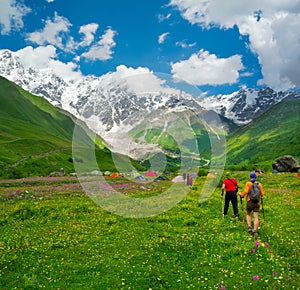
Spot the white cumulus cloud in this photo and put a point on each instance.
(203, 68)
(45, 57)
(273, 40)
(140, 80)
(103, 49)
(272, 27)
(11, 15)
(88, 31)
(55, 32)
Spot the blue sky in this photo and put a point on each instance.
(218, 46)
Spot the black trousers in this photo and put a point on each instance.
(231, 196)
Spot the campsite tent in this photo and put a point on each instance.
(139, 177)
(95, 172)
(178, 178)
(150, 173)
(161, 177)
(133, 173)
(114, 175)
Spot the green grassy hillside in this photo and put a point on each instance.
(36, 137)
(273, 134)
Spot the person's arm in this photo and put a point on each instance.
(246, 190)
(261, 190)
(223, 188)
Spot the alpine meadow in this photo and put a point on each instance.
(54, 236)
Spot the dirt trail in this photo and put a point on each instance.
(38, 155)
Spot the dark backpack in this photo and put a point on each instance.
(255, 192)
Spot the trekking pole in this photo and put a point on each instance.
(242, 212)
(222, 203)
(262, 207)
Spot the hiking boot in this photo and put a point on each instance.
(249, 230)
(254, 232)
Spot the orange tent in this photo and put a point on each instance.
(114, 175)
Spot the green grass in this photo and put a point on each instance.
(54, 237)
(36, 138)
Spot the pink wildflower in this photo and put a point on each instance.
(253, 250)
(255, 278)
(267, 245)
(274, 274)
(257, 244)
(223, 288)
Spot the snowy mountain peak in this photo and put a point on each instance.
(109, 103)
(246, 104)
(41, 82)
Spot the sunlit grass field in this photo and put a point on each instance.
(53, 236)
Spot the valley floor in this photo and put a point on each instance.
(54, 236)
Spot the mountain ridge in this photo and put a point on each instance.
(27, 142)
(112, 104)
(246, 104)
(74, 95)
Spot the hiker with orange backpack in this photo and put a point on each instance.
(255, 193)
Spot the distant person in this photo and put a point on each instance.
(230, 185)
(189, 180)
(254, 192)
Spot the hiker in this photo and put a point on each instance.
(231, 187)
(254, 204)
(189, 180)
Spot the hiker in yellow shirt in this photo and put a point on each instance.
(254, 203)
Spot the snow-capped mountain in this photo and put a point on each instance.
(246, 104)
(113, 103)
(41, 82)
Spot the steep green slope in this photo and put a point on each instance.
(27, 128)
(36, 137)
(273, 134)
